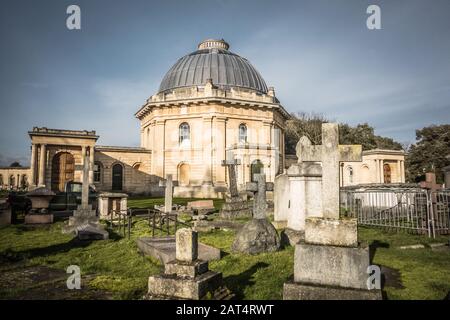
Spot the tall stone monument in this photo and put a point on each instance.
(186, 277)
(234, 206)
(258, 235)
(330, 263)
(168, 194)
(84, 222)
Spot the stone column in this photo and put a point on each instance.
(18, 181)
(33, 165)
(219, 136)
(42, 161)
(158, 151)
(83, 157)
(91, 165)
(381, 171)
(399, 171)
(207, 149)
(402, 165)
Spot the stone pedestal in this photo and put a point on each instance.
(35, 218)
(330, 264)
(111, 201)
(86, 225)
(187, 277)
(235, 207)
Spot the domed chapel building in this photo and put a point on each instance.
(212, 105)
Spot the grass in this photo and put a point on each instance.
(116, 267)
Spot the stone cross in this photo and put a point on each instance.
(186, 245)
(232, 164)
(330, 153)
(168, 193)
(85, 184)
(259, 189)
(430, 182)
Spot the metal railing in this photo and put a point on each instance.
(410, 209)
(440, 211)
(157, 220)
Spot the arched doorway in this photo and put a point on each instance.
(117, 177)
(63, 168)
(184, 174)
(387, 173)
(256, 167)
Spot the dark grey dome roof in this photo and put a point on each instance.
(213, 61)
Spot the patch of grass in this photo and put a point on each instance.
(116, 266)
(146, 202)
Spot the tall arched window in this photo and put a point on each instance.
(242, 133)
(117, 177)
(12, 181)
(185, 134)
(1, 180)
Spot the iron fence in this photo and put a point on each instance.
(414, 210)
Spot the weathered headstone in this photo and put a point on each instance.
(186, 277)
(447, 175)
(430, 182)
(330, 263)
(234, 206)
(259, 189)
(168, 193)
(258, 235)
(84, 222)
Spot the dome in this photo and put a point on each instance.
(213, 61)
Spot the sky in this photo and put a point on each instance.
(319, 55)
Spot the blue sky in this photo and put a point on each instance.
(319, 56)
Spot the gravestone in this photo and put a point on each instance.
(281, 201)
(84, 222)
(234, 206)
(168, 194)
(430, 182)
(186, 277)
(258, 235)
(109, 202)
(330, 263)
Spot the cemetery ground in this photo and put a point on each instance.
(33, 262)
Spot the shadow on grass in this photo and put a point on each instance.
(14, 256)
(237, 283)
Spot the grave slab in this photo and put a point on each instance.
(164, 249)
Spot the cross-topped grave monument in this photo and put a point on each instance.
(186, 277)
(84, 222)
(168, 193)
(330, 263)
(232, 166)
(234, 206)
(259, 188)
(430, 182)
(258, 235)
(330, 153)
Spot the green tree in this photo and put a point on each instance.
(310, 125)
(15, 164)
(429, 153)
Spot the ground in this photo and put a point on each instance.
(33, 262)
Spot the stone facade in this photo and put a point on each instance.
(377, 166)
(12, 178)
(216, 108)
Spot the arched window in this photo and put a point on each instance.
(98, 171)
(350, 174)
(257, 167)
(242, 133)
(185, 134)
(1, 180)
(117, 177)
